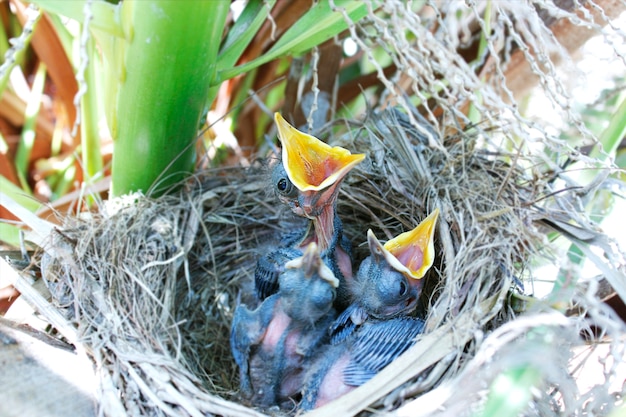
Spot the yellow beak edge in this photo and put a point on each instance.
(311, 164)
(411, 253)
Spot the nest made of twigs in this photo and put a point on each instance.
(152, 285)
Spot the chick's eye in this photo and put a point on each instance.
(285, 187)
(403, 288)
(282, 185)
(281, 182)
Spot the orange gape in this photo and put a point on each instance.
(311, 164)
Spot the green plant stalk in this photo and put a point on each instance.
(62, 174)
(243, 94)
(4, 41)
(14, 57)
(65, 180)
(57, 141)
(169, 64)
(27, 137)
(89, 134)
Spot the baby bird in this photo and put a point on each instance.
(307, 179)
(272, 344)
(388, 282)
(339, 369)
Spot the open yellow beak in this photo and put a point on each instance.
(311, 164)
(411, 253)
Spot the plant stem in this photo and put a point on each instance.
(169, 64)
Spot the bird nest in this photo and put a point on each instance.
(151, 284)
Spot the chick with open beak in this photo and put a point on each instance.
(307, 179)
(316, 170)
(389, 281)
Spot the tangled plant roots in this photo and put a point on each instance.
(152, 286)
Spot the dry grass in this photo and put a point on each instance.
(152, 286)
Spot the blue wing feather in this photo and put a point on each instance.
(377, 344)
(268, 269)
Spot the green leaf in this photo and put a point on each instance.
(612, 136)
(106, 16)
(17, 194)
(21, 206)
(316, 26)
(27, 137)
(242, 32)
(10, 234)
